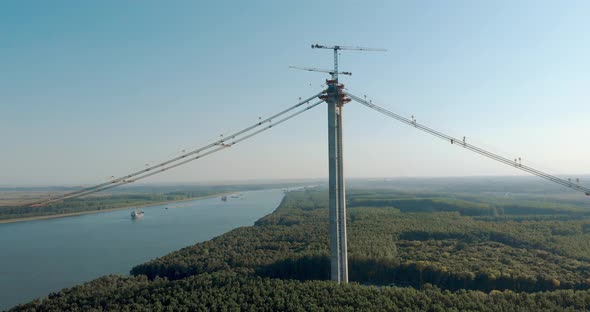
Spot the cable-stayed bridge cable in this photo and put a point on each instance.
(174, 162)
(471, 147)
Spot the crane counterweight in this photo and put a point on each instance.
(331, 72)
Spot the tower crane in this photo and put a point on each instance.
(338, 47)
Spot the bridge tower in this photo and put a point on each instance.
(335, 98)
(337, 195)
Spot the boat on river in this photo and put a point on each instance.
(136, 214)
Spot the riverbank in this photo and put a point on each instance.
(66, 252)
(133, 206)
(282, 263)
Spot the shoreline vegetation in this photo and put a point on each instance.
(118, 201)
(73, 214)
(406, 252)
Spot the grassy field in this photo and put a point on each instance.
(14, 198)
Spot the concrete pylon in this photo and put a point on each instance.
(337, 197)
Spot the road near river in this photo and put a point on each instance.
(43, 256)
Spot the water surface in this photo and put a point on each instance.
(43, 256)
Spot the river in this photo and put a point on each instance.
(43, 256)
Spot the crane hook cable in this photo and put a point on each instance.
(472, 147)
(163, 166)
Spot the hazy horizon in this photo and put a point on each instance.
(584, 180)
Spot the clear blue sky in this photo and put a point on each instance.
(91, 89)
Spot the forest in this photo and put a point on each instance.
(407, 252)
